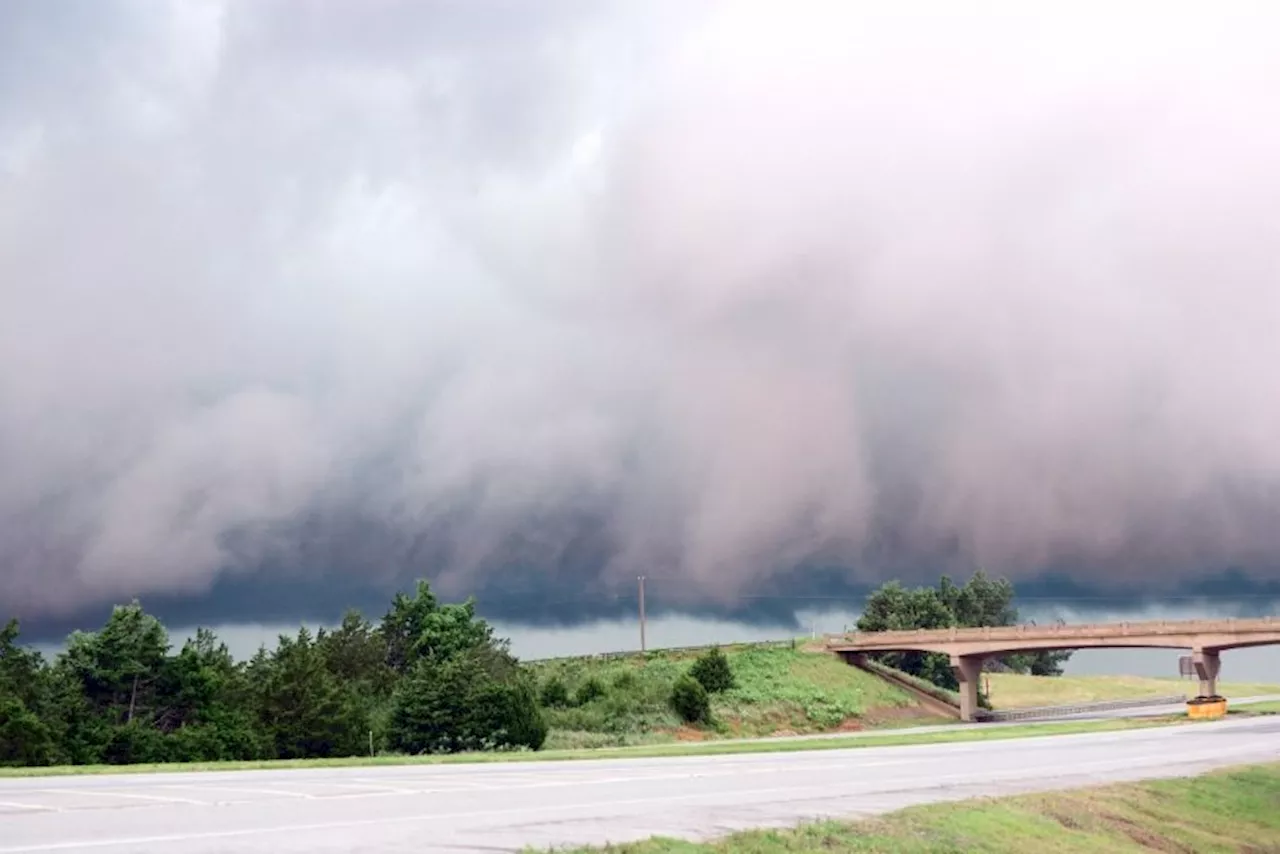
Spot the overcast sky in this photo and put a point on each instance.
(540, 296)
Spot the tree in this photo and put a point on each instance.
(356, 653)
(431, 676)
(461, 704)
(120, 665)
(895, 608)
(982, 601)
(302, 705)
(420, 627)
(712, 670)
(1048, 662)
(207, 714)
(25, 739)
(404, 624)
(21, 670)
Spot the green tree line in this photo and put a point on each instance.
(981, 601)
(429, 677)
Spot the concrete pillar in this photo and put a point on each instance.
(1207, 665)
(968, 669)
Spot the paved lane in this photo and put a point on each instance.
(509, 805)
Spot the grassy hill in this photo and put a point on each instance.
(780, 690)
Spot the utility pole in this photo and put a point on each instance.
(641, 580)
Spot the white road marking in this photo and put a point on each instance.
(200, 787)
(37, 807)
(111, 793)
(379, 788)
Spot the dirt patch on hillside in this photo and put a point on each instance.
(882, 715)
(686, 733)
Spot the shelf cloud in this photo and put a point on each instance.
(542, 296)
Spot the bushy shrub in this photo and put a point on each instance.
(554, 693)
(690, 700)
(509, 713)
(136, 742)
(24, 738)
(590, 690)
(712, 670)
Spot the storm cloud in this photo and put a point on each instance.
(536, 297)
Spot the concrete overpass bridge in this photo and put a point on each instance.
(968, 648)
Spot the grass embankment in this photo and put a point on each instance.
(780, 690)
(1015, 691)
(704, 748)
(1230, 811)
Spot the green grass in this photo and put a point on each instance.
(1231, 811)
(1272, 708)
(706, 748)
(780, 690)
(1016, 691)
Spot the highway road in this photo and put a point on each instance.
(506, 806)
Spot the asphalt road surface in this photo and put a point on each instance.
(506, 806)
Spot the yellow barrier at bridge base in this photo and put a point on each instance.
(1207, 708)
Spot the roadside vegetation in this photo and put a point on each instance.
(431, 678)
(1228, 811)
(428, 678)
(756, 690)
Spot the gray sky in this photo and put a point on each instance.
(569, 291)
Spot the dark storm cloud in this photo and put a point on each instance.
(531, 298)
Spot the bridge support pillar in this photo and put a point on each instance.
(968, 670)
(1207, 664)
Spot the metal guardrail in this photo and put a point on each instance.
(995, 715)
